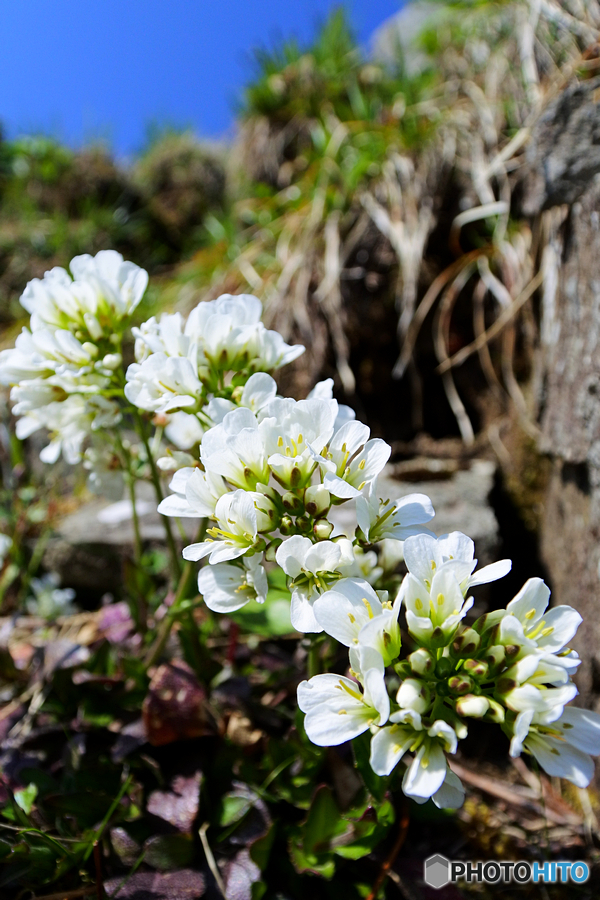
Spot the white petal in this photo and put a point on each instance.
(302, 615)
(492, 572)
(561, 759)
(424, 780)
(534, 595)
(388, 746)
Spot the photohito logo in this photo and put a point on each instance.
(439, 871)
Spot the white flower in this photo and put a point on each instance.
(527, 622)
(105, 290)
(428, 770)
(170, 336)
(292, 433)
(235, 450)
(323, 390)
(227, 587)
(434, 613)
(256, 394)
(236, 532)
(352, 461)
(184, 430)
(425, 555)
(70, 423)
(562, 745)
(164, 384)
(311, 568)
(352, 613)
(337, 710)
(195, 494)
(398, 519)
(524, 686)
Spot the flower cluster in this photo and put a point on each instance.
(195, 372)
(64, 368)
(511, 667)
(271, 472)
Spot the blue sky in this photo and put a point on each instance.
(88, 69)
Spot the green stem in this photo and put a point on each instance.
(183, 585)
(130, 478)
(314, 657)
(136, 519)
(155, 475)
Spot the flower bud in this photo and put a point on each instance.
(267, 515)
(476, 668)
(414, 694)
(444, 667)
(402, 668)
(421, 662)
(495, 656)
(112, 361)
(268, 491)
(90, 349)
(272, 549)
(317, 499)
(489, 620)
(286, 526)
(466, 642)
(511, 650)
(303, 524)
(460, 684)
(495, 712)
(438, 638)
(293, 503)
(322, 529)
(472, 706)
(505, 684)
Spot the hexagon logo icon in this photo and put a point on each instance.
(436, 871)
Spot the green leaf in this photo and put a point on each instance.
(375, 784)
(169, 851)
(25, 798)
(269, 619)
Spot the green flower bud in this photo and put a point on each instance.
(460, 684)
(444, 667)
(495, 656)
(293, 504)
(489, 620)
(505, 684)
(303, 524)
(438, 638)
(269, 492)
(472, 706)
(317, 499)
(403, 668)
(322, 529)
(272, 549)
(476, 668)
(421, 662)
(90, 348)
(286, 526)
(466, 642)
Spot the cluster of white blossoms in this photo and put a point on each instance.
(194, 372)
(66, 369)
(511, 667)
(270, 474)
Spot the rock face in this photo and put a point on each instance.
(563, 166)
(570, 538)
(90, 545)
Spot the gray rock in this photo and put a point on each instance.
(89, 546)
(460, 497)
(400, 34)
